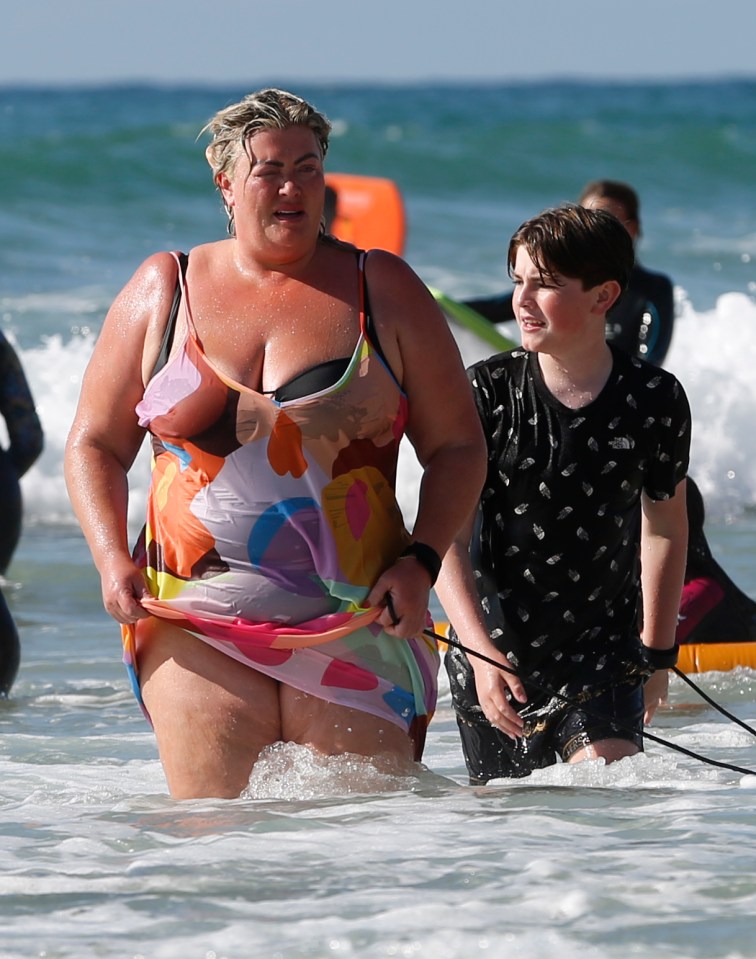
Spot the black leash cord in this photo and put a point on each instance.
(686, 679)
(712, 702)
(570, 702)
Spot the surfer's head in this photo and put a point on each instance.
(617, 198)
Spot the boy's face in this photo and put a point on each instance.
(555, 315)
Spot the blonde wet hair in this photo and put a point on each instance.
(232, 128)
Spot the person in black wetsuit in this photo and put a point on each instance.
(642, 321)
(24, 446)
(713, 609)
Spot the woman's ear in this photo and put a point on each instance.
(220, 179)
(223, 183)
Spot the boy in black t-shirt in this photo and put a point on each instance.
(587, 457)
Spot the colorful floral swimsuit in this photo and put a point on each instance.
(269, 519)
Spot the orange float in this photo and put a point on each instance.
(369, 212)
(715, 657)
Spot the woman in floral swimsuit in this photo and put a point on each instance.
(255, 608)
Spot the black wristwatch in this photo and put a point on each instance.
(427, 557)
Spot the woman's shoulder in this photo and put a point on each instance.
(163, 263)
(154, 273)
(140, 308)
(383, 263)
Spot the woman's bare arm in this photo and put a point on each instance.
(105, 436)
(443, 425)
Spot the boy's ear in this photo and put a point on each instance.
(607, 295)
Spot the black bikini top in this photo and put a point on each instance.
(314, 380)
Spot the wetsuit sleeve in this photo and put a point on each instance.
(496, 309)
(18, 411)
(670, 464)
(662, 299)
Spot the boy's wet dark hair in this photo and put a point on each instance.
(575, 242)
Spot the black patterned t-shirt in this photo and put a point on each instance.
(556, 548)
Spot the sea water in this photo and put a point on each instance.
(335, 857)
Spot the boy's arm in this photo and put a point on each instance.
(459, 597)
(664, 544)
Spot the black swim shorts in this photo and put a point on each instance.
(554, 730)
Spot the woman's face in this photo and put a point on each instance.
(277, 188)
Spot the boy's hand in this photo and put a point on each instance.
(655, 692)
(496, 688)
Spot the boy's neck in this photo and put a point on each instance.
(576, 380)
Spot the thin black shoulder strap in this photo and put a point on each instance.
(370, 330)
(170, 329)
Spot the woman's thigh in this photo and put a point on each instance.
(333, 729)
(212, 715)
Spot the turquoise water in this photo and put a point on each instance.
(331, 858)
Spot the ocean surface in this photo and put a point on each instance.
(332, 858)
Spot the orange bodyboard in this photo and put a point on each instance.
(719, 657)
(369, 212)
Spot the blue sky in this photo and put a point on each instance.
(262, 41)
